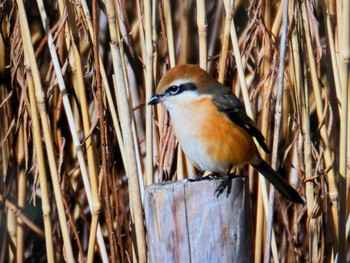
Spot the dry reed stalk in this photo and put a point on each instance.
(180, 173)
(70, 121)
(270, 240)
(92, 241)
(183, 57)
(91, 155)
(312, 202)
(302, 100)
(135, 149)
(216, 24)
(172, 61)
(125, 66)
(265, 129)
(32, 71)
(78, 83)
(202, 33)
(266, 10)
(120, 26)
(142, 32)
(260, 220)
(184, 32)
(56, 104)
(265, 116)
(131, 90)
(166, 150)
(240, 63)
(277, 22)
(147, 5)
(333, 55)
(277, 128)
(132, 85)
(343, 22)
(326, 8)
(130, 164)
(118, 216)
(347, 175)
(154, 40)
(21, 192)
(11, 226)
(107, 89)
(244, 89)
(3, 247)
(225, 39)
(72, 225)
(135, 101)
(333, 190)
(5, 112)
(262, 188)
(15, 210)
(105, 171)
(303, 232)
(113, 113)
(11, 229)
(169, 31)
(42, 171)
(5, 145)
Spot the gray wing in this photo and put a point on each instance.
(232, 107)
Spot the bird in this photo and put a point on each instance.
(212, 126)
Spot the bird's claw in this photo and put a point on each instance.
(226, 183)
(208, 177)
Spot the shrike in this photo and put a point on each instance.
(212, 126)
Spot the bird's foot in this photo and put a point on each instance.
(204, 176)
(226, 183)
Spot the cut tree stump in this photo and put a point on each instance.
(186, 222)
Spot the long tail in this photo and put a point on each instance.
(278, 182)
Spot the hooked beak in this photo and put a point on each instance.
(154, 99)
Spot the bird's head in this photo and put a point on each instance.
(184, 83)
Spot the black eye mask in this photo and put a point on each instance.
(175, 90)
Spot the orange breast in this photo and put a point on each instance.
(225, 141)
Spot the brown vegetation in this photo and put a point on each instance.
(78, 143)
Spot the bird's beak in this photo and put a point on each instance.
(155, 99)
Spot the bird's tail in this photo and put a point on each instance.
(278, 182)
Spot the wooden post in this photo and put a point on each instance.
(186, 222)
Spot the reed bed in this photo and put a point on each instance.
(79, 143)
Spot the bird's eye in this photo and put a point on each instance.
(173, 90)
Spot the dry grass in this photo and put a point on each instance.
(79, 144)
